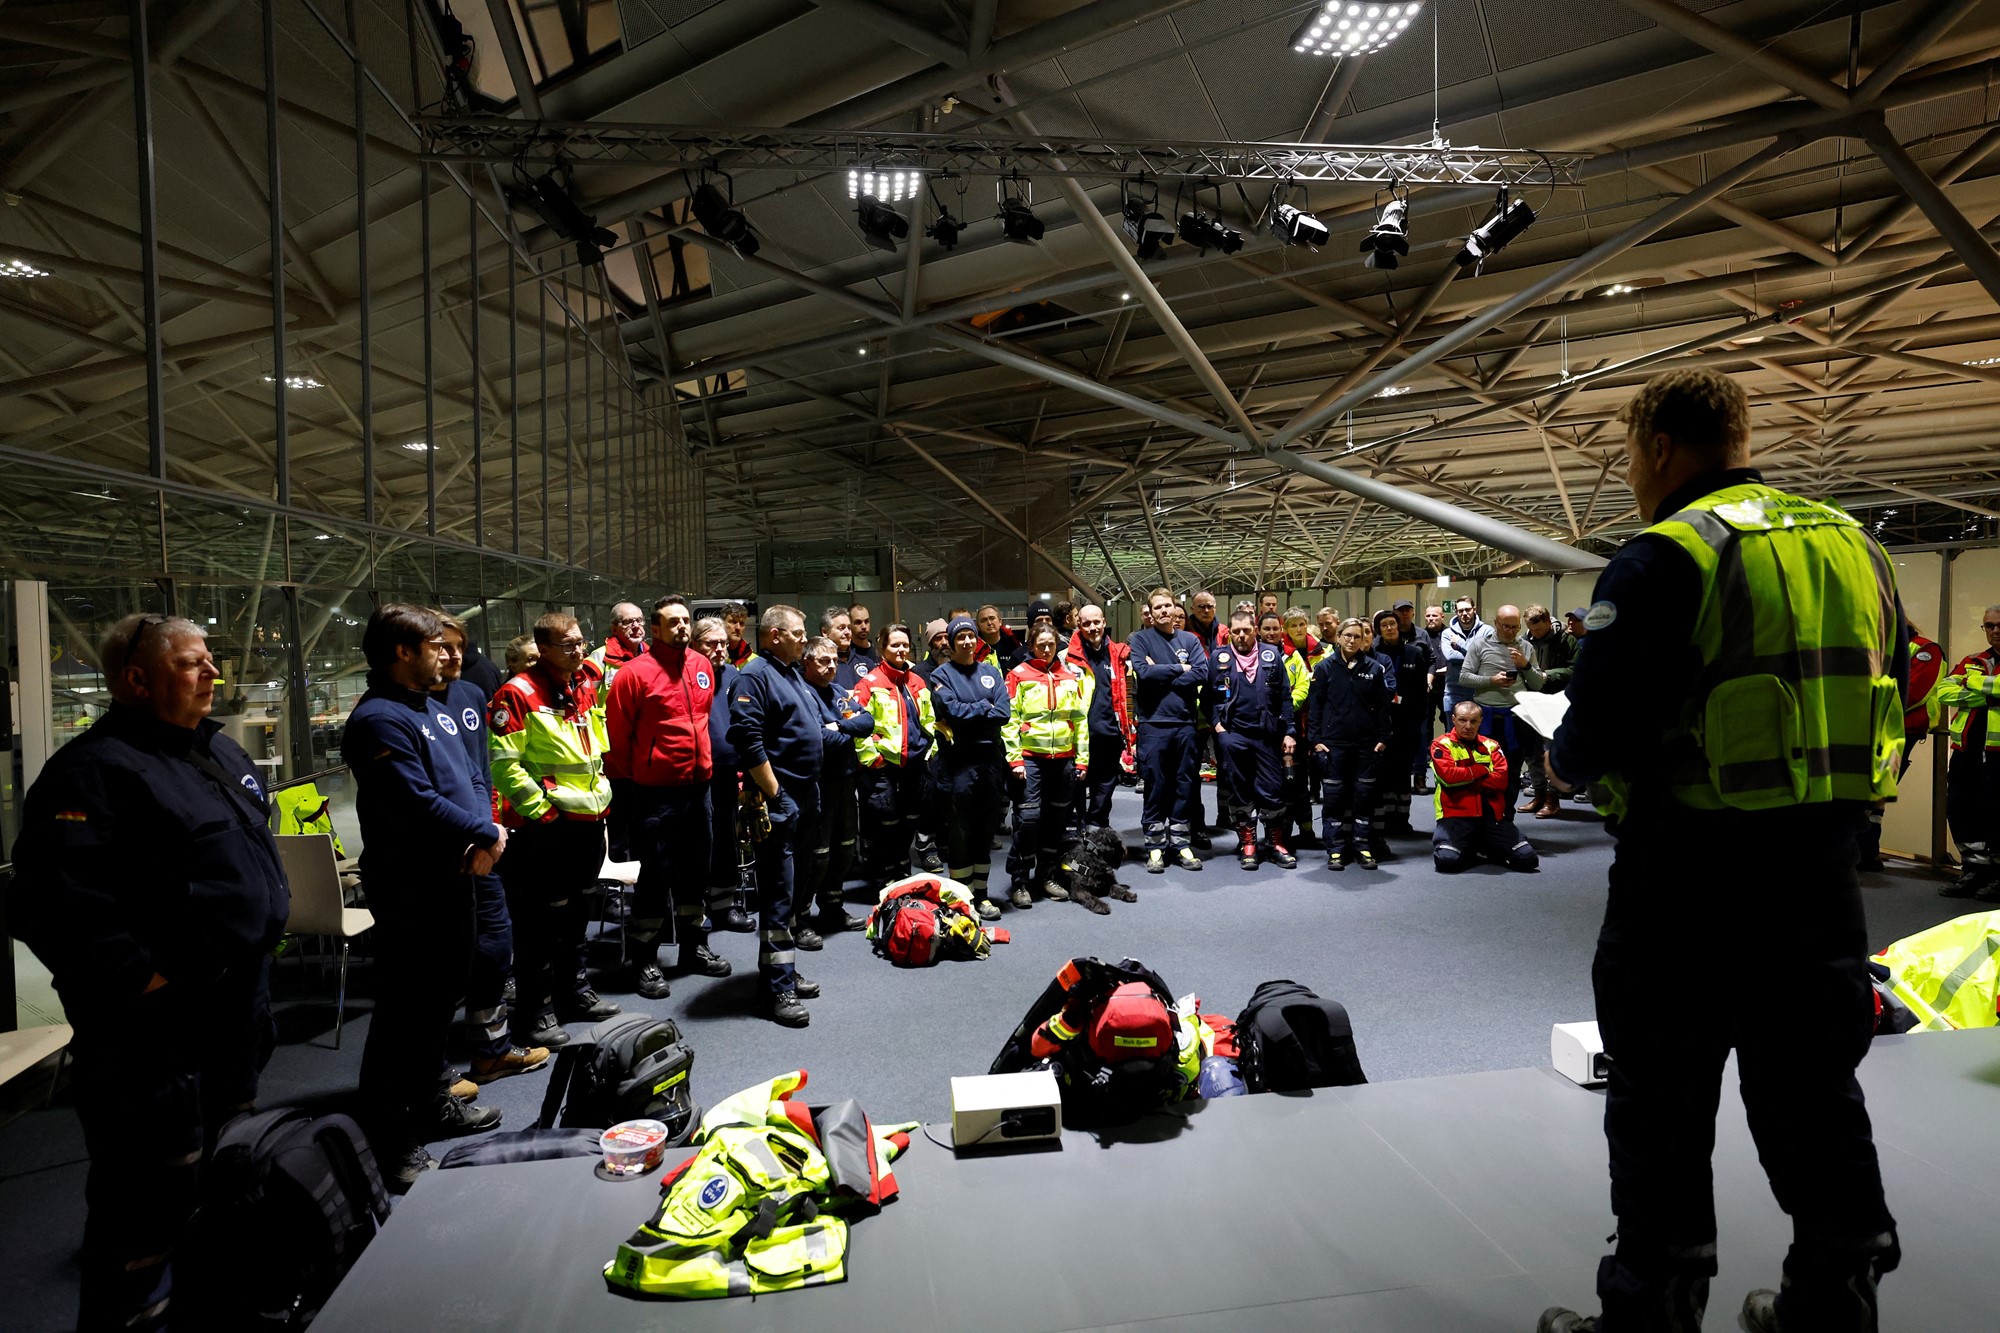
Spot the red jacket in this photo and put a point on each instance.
(1926, 665)
(656, 724)
(1121, 675)
(1471, 779)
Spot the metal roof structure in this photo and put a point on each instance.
(1799, 194)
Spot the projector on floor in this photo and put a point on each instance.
(1577, 1052)
(993, 1110)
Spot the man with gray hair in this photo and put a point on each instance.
(147, 880)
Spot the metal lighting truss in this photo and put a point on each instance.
(498, 139)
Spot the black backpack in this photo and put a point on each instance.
(631, 1067)
(1289, 1039)
(289, 1202)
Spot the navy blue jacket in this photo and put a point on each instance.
(972, 702)
(849, 721)
(1263, 708)
(1166, 697)
(774, 719)
(420, 806)
(135, 858)
(466, 703)
(1348, 703)
(721, 750)
(1410, 661)
(1103, 712)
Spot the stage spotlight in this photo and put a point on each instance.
(1148, 231)
(1296, 227)
(1018, 223)
(881, 225)
(551, 197)
(892, 185)
(719, 218)
(945, 230)
(1389, 239)
(1205, 233)
(1503, 224)
(1345, 28)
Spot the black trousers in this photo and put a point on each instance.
(894, 799)
(777, 868)
(827, 847)
(1048, 786)
(492, 963)
(977, 798)
(423, 939)
(1253, 766)
(669, 828)
(547, 870)
(1683, 886)
(1972, 802)
(1107, 758)
(725, 849)
(1459, 842)
(155, 1080)
(1347, 793)
(1170, 765)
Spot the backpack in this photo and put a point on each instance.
(916, 924)
(1055, 1034)
(631, 1067)
(289, 1202)
(1290, 1039)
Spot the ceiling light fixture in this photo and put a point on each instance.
(881, 225)
(1508, 219)
(1389, 239)
(1015, 196)
(1985, 361)
(719, 217)
(20, 268)
(418, 446)
(1394, 391)
(296, 381)
(1292, 225)
(1345, 28)
(945, 230)
(1620, 289)
(1207, 231)
(891, 185)
(1148, 231)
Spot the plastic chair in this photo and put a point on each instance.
(317, 906)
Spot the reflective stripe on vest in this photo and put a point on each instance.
(1793, 703)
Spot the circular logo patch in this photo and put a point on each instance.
(471, 719)
(713, 1192)
(249, 781)
(450, 727)
(987, 681)
(500, 717)
(701, 680)
(1222, 659)
(1600, 615)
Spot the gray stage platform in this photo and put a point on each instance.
(1459, 1203)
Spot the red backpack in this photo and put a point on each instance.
(915, 926)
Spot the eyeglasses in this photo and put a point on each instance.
(631, 620)
(571, 645)
(1987, 625)
(146, 623)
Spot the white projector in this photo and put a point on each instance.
(1577, 1052)
(990, 1110)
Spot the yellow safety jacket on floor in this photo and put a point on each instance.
(1948, 975)
(547, 742)
(752, 1211)
(1051, 713)
(1795, 703)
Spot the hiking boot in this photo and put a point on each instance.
(805, 990)
(1366, 858)
(464, 1087)
(1280, 850)
(513, 1060)
(1018, 895)
(734, 920)
(456, 1116)
(1246, 848)
(1334, 860)
(1969, 883)
(1199, 840)
(546, 1033)
(832, 922)
(1989, 894)
(1056, 891)
(930, 862)
(403, 1168)
(988, 911)
(700, 960)
(1760, 1312)
(587, 1006)
(1186, 859)
(648, 980)
(1556, 1319)
(785, 1010)
(1156, 862)
(805, 937)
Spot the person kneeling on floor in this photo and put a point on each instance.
(1473, 819)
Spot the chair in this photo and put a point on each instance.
(615, 880)
(317, 907)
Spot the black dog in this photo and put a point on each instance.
(1091, 862)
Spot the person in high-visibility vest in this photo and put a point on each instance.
(1921, 710)
(546, 735)
(1972, 784)
(895, 757)
(1048, 750)
(1739, 701)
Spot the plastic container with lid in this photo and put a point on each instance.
(633, 1147)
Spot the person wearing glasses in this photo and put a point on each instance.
(1739, 704)
(147, 881)
(546, 737)
(1554, 651)
(1972, 783)
(626, 641)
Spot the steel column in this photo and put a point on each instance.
(149, 227)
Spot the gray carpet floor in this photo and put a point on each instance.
(1441, 976)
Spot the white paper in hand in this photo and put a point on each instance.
(1543, 712)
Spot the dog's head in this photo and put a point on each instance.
(1104, 845)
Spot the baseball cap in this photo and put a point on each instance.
(1574, 613)
(1405, 605)
(1133, 1025)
